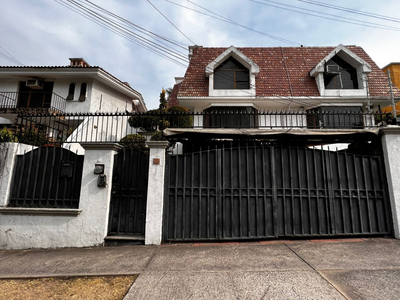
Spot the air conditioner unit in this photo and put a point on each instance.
(34, 84)
(332, 70)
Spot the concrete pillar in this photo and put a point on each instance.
(95, 200)
(155, 193)
(391, 152)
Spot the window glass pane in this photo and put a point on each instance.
(71, 91)
(345, 78)
(231, 75)
(224, 80)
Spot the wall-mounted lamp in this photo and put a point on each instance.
(98, 169)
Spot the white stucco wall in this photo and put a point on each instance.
(155, 193)
(391, 150)
(107, 99)
(24, 231)
(61, 88)
(8, 152)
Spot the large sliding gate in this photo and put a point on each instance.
(262, 191)
(129, 193)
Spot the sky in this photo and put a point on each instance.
(48, 33)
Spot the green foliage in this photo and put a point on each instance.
(179, 116)
(6, 135)
(163, 100)
(133, 141)
(158, 136)
(32, 135)
(148, 121)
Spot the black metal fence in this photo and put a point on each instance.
(42, 129)
(48, 177)
(256, 190)
(32, 100)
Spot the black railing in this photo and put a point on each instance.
(33, 100)
(53, 128)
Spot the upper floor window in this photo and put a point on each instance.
(338, 117)
(340, 75)
(71, 91)
(82, 95)
(231, 75)
(230, 117)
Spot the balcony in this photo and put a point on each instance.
(31, 102)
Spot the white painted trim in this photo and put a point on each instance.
(254, 69)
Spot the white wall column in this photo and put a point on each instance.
(95, 200)
(155, 193)
(391, 152)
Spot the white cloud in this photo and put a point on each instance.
(43, 32)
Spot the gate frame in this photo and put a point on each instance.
(390, 138)
(155, 192)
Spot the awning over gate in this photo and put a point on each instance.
(266, 133)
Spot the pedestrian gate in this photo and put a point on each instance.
(261, 191)
(129, 193)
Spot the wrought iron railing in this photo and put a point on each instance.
(53, 128)
(31, 101)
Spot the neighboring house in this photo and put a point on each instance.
(77, 88)
(332, 79)
(394, 69)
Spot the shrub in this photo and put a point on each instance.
(6, 135)
(133, 141)
(180, 117)
(158, 136)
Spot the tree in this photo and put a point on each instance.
(156, 120)
(163, 101)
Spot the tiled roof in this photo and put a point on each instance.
(284, 71)
(172, 99)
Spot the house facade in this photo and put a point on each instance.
(302, 79)
(262, 157)
(77, 87)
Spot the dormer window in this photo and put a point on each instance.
(231, 75)
(340, 75)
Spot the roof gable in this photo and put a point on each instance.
(344, 53)
(239, 56)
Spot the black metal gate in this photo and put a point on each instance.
(255, 191)
(129, 193)
(47, 177)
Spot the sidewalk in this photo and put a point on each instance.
(321, 269)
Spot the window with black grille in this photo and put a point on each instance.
(335, 117)
(340, 75)
(231, 75)
(230, 117)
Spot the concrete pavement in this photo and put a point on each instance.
(320, 269)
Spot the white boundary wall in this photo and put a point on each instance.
(22, 228)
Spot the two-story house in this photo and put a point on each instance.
(297, 79)
(76, 88)
(251, 165)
